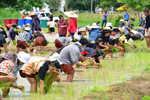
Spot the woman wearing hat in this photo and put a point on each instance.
(93, 34)
(40, 66)
(12, 33)
(23, 40)
(6, 69)
(72, 22)
(39, 40)
(35, 22)
(2, 39)
(81, 33)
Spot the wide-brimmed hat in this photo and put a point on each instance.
(54, 57)
(7, 67)
(23, 57)
(71, 14)
(26, 29)
(31, 14)
(94, 25)
(121, 20)
(82, 29)
(11, 56)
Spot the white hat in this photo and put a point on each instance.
(121, 20)
(26, 29)
(23, 57)
(133, 31)
(70, 39)
(54, 57)
(95, 26)
(82, 29)
(71, 14)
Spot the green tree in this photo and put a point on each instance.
(108, 3)
(138, 5)
(53, 3)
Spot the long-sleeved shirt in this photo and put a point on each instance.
(12, 33)
(24, 36)
(64, 40)
(35, 24)
(71, 54)
(148, 22)
(72, 25)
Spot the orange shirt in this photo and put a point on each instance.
(8, 25)
(23, 16)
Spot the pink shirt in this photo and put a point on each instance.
(62, 30)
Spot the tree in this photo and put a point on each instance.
(108, 3)
(53, 3)
(138, 5)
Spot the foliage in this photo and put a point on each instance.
(108, 3)
(99, 89)
(146, 98)
(117, 20)
(53, 3)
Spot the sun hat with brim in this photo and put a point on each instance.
(54, 57)
(31, 14)
(71, 14)
(26, 29)
(23, 57)
(11, 56)
(94, 26)
(121, 20)
(7, 67)
(82, 29)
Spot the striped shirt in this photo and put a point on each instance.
(24, 36)
(64, 40)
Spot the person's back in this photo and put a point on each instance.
(64, 40)
(70, 54)
(93, 35)
(52, 24)
(24, 36)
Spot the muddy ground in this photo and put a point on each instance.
(134, 89)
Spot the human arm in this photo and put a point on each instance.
(80, 64)
(101, 45)
(126, 42)
(7, 77)
(127, 26)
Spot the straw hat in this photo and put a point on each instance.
(121, 20)
(31, 14)
(23, 57)
(82, 29)
(94, 26)
(54, 57)
(71, 14)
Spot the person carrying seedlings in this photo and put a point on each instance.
(118, 43)
(81, 33)
(72, 22)
(3, 35)
(6, 71)
(62, 26)
(90, 52)
(147, 30)
(23, 40)
(35, 25)
(103, 41)
(93, 34)
(12, 33)
(62, 42)
(70, 55)
(41, 66)
(128, 26)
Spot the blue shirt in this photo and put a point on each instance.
(93, 34)
(12, 33)
(142, 20)
(126, 16)
(105, 17)
(98, 25)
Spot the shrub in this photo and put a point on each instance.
(81, 11)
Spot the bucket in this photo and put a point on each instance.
(21, 22)
(44, 23)
(7, 21)
(28, 21)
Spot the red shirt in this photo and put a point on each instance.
(72, 25)
(62, 30)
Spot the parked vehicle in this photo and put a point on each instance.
(44, 16)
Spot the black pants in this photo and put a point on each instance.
(104, 21)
